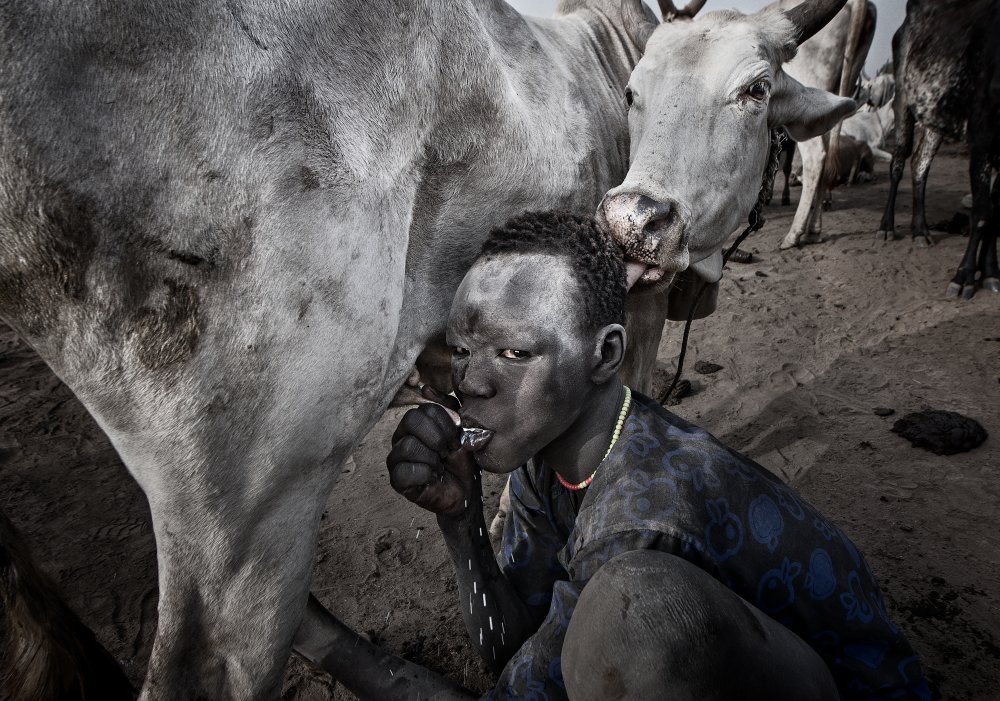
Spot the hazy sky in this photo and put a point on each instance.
(890, 16)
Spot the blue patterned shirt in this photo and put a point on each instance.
(668, 485)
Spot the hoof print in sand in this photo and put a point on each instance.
(941, 432)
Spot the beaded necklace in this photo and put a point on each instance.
(614, 439)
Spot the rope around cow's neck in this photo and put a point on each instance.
(756, 221)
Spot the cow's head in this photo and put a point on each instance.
(702, 102)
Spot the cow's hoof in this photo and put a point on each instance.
(953, 291)
(789, 242)
(811, 238)
(991, 283)
(885, 235)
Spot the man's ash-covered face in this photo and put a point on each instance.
(522, 361)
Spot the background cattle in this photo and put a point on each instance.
(877, 91)
(851, 163)
(232, 229)
(945, 62)
(820, 63)
(870, 126)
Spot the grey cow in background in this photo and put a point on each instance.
(231, 229)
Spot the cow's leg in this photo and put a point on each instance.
(234, 568)
(920, 166)
(852, 178)
(786, 169)
(786, 154)
(880, 155)
(989, 269)
(904, 147)
(236, 494)
(806, 224)
(234, 439)
(981, 229)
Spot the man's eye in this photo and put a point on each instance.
(513, 354)
(459, 351)
(759, 90)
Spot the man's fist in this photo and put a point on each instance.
(427, 464)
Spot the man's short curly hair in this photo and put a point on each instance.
(594, 256)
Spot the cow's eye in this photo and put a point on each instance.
(629, 97)
(759, 90)
(514, 354)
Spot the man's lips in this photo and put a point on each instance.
(475, 439)
(475, 436)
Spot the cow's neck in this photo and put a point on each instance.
(605, 36)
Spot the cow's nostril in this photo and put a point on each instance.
(657, 216)
(652, 209)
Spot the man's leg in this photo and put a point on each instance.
(650, 625)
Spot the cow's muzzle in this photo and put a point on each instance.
(652, 233)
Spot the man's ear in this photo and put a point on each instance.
(805, 112)
(609, 352)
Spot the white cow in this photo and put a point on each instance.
(820, 64)
(871, 127)
(231, 228)
(877, 91)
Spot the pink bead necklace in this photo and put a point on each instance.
(614, 439)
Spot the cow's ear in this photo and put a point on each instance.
(805, 112)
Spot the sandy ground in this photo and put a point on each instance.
(810, 342)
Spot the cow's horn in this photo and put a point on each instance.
(667, 9)
(670, 12)
(638, 26)
(810, 17)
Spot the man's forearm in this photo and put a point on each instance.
(497, 620)
(370, 672)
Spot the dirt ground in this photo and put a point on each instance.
(809, 340)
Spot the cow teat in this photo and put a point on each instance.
(652, 233)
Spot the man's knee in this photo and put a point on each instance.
(647, 617)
